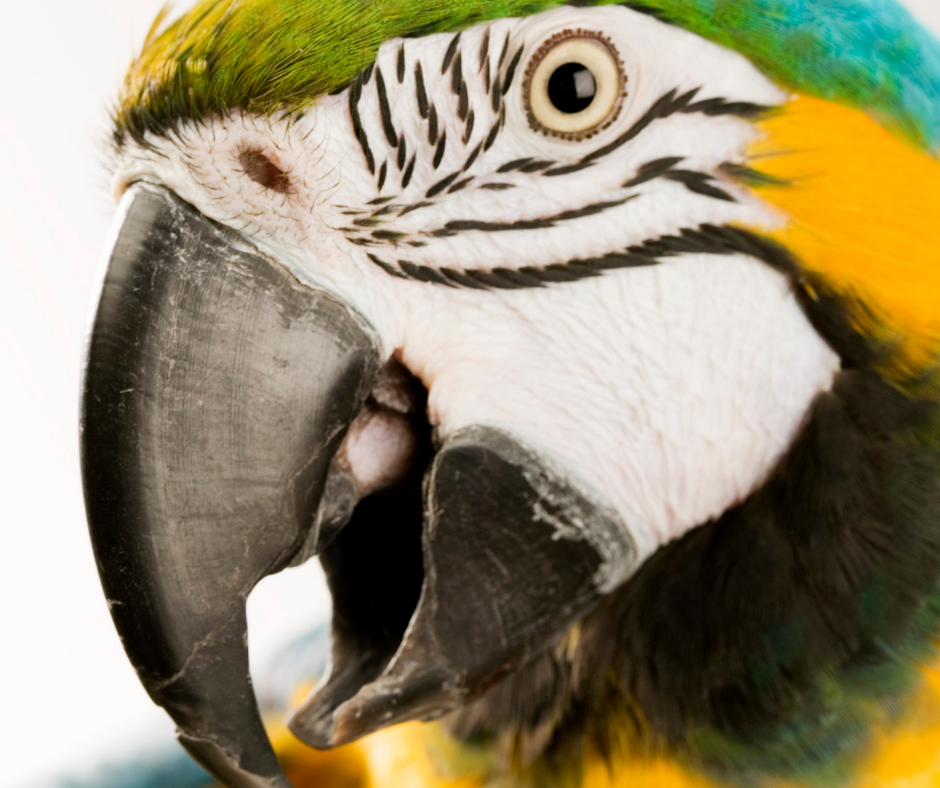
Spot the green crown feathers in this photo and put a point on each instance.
(270, 56)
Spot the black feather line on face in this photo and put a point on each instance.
(414, 207)
(497, 94)
(670, 104)
(705, 239)
(442, 184)
(569, 168)
(511, 71)
(460, 185)
(698, 183)
(421, 92)
(409, 171)
(390, 270)
(503, 52)
(485, 49)
(432, 126)
(456, 74)
(385, 110)
(652, 170)
(472, 157)
(751, 177)
(439, 153)
(355, 93)
(400, 70)
(424, 274)
(383, 172)
(468, 131)
(463, 102)
(515, 164)
(449, 54)
(491, 136)
(402, 153)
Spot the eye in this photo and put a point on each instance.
(574, 85)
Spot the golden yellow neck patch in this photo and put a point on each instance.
(904, 753)
(864, 213)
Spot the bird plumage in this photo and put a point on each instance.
(784, 606)
(275, 55)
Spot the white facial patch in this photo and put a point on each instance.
(675, 389)
(569, 291)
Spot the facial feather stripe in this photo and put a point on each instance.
(377, 227)
(669, 104)
(705, 239)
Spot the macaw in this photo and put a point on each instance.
(591, 346)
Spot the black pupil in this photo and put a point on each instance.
(571, 88)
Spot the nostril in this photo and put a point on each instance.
(263, 171)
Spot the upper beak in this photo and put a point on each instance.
(217, 391)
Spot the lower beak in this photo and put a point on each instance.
(216, 391)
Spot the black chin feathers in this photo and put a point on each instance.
(817, 582)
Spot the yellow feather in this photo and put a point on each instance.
(863, 210)
(414, 755)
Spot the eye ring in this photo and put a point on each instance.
(574, 85)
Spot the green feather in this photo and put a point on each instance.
(269, 56)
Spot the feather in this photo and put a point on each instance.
(267, 56)
(862, 210)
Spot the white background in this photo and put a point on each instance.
(67, 694)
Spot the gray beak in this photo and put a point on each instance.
(217, 391)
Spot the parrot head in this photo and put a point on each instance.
(591, 347)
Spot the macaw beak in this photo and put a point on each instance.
(217, 390)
